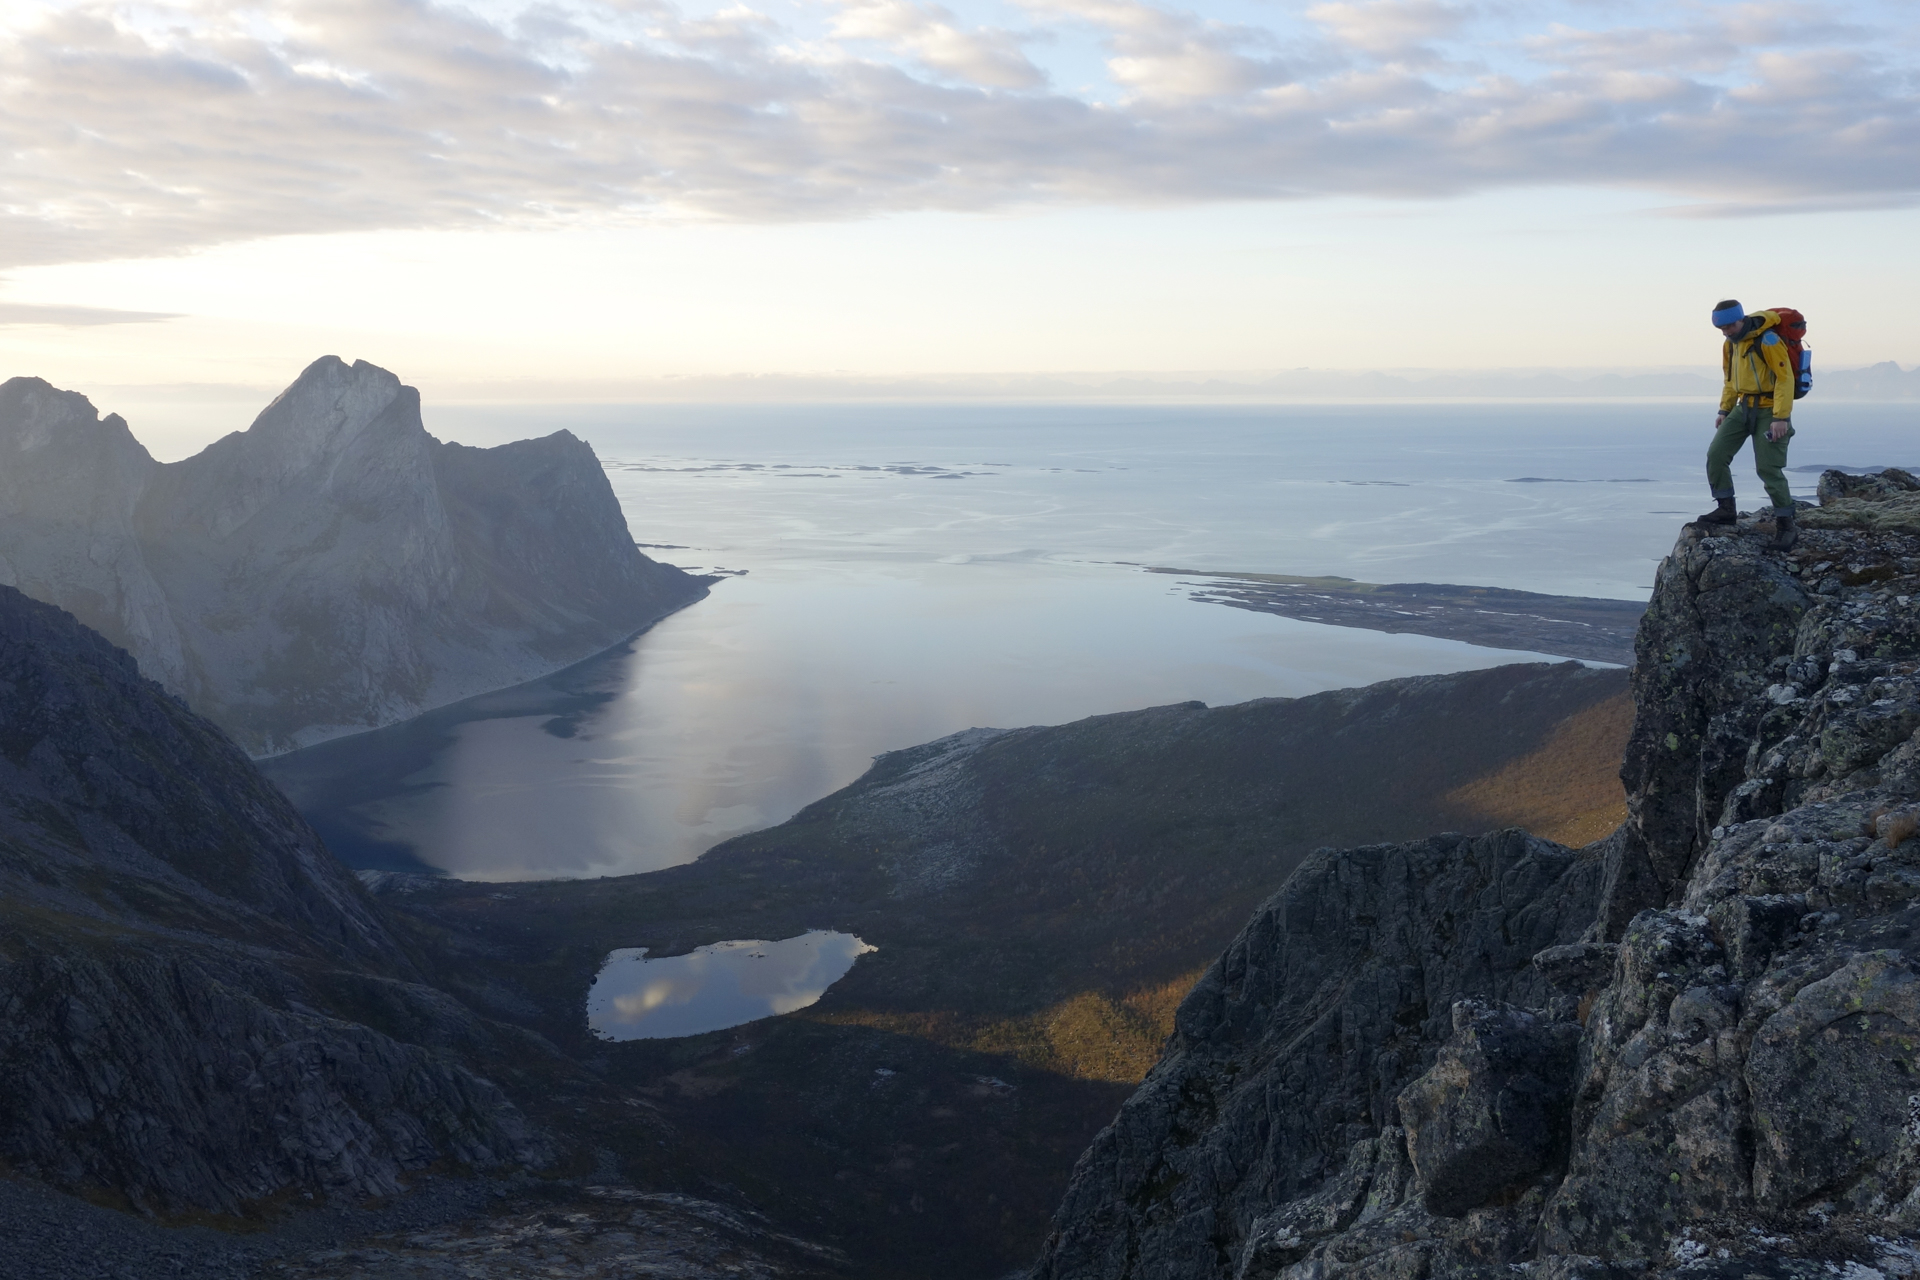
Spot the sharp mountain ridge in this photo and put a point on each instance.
(331, 569)
(189, 981)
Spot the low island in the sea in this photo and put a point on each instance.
(1586, 627)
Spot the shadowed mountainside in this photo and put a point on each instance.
(206, 1020)
(186, 973)
(333, 567)
(1041, 898)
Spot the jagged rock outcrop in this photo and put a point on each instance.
(70, 486)
(333, 567)
(187, 977)
(1713, 1071)
(1491, 1114)
(1287, 1060)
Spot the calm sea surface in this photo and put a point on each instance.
(897, 573)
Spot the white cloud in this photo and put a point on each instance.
(929, 34)
(131, 130)
(1695, 50)
(1396, 29)
(1174, 56)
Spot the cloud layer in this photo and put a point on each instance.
(134, 129)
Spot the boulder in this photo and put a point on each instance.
(1835, 1082)
(1491, 1113)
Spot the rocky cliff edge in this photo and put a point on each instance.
(1692, 1049)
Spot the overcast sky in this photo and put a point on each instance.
(502, 193)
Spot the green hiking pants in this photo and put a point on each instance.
(1743, 423)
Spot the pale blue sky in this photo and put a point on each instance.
(504, 194)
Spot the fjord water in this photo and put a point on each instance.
(904, 572)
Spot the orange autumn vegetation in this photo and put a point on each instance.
(1568, 789)
(1090, 1036)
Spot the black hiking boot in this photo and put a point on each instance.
(1785, 535)
(1722, 513)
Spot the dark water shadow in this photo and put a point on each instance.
(336, 784)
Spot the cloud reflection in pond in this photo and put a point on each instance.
(715, 987)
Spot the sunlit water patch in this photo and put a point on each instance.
(715, 987)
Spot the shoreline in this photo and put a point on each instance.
(1588, 628)
(707, 579)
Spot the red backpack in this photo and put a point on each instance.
(1793, 331)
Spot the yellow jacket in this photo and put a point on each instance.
(1755, 365)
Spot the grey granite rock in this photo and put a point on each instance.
(1577, 968)
(1723, 609)
(1297, 1043)
(1491, 1113)
(1743, 1094)
(1835, 484)
(334, 567)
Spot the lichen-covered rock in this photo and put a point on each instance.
(1491, 1113)
(1886, 500)
(1373, 1182)
(1836, 485)
(1835, 1084)
(1657, 1132)
(1744, 1095)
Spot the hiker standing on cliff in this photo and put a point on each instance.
(1755, 404)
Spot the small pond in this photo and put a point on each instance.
(715, 987)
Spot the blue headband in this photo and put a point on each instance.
(1727, 315)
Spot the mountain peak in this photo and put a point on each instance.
(333, 567)
(325, 408)
(36, 415)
